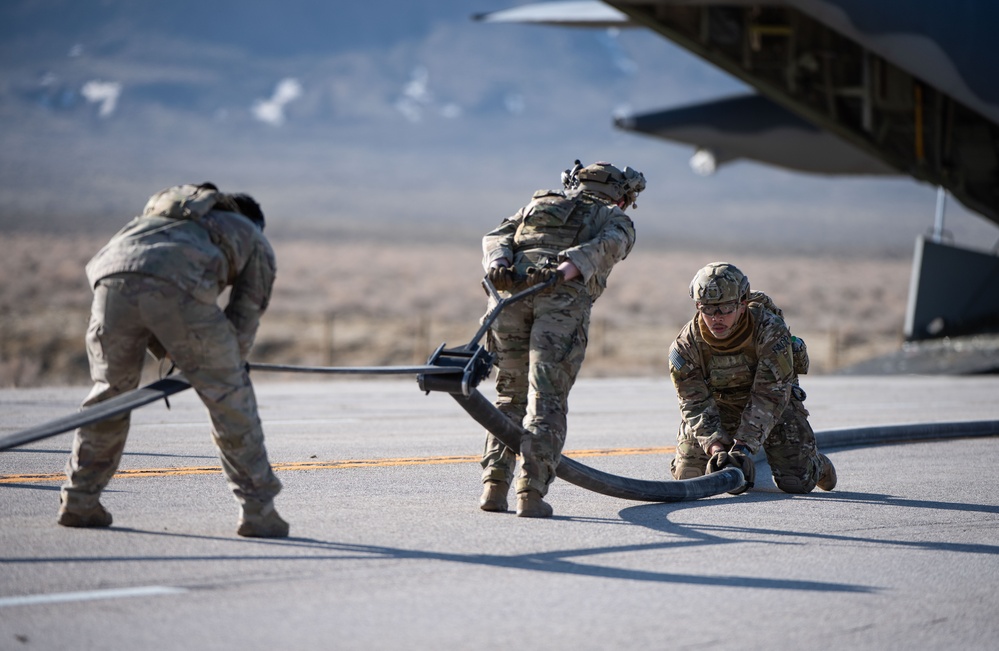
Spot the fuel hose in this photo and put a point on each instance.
(493, 420)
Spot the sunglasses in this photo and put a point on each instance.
(718, 308)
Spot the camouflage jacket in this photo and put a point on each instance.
(202, 254)
(556, 226)
(738, 394)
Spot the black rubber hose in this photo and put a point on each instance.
(886, 434)
(493, 420)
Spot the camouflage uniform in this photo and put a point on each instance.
(155, 285)
(540, 341)
(745, 390)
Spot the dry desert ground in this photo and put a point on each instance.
(359, 301)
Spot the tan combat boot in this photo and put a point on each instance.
(827, 479)
(494, 496)
(260, 520)
(77, 515)
(531, 505)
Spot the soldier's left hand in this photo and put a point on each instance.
(569, 270)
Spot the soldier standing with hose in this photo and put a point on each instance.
(735, 367)
(574, 236)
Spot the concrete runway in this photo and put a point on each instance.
(390, 551)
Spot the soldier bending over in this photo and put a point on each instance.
(155, 286)
(575, 236)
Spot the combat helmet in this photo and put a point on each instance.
(719, 282)
(606, 180)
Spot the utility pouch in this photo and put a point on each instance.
(799, 351)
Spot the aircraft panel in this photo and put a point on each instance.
(752, 127)
(903, 86)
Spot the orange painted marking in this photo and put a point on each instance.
(324, 465)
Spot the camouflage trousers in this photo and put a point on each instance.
(790, 449)
(539, 343)
(128, 311)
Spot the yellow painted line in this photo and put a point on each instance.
(324, 465)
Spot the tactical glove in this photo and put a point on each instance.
(537, 276)
(502, 278)
(740, 457)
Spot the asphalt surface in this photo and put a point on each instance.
(390, 551)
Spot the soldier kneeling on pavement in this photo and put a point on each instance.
(735, 367)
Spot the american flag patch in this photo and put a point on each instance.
(675, 359)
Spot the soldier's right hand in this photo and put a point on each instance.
(502, 278)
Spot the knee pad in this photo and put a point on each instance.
(683, 471)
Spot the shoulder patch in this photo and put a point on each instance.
(675, 359)
(785, 361)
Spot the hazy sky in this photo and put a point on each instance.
(387, 116)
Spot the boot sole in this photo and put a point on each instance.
(534, 514)
(250, 532)
(77, 521)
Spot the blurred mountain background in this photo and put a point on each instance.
(388, 118)
(383, 139)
